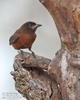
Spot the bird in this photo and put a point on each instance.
(24, 37)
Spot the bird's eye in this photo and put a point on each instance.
(30, 25)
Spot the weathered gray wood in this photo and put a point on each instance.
(57, 79)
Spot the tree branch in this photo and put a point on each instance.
(33, 81)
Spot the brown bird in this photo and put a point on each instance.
(24, 37)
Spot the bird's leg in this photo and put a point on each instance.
(21, 54)
(33, 54)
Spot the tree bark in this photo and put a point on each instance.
(59, 78)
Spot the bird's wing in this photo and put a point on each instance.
(13, 39)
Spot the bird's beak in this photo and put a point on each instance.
(36, 26)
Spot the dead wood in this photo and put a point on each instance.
(57, 79)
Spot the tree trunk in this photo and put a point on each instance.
(57, 79)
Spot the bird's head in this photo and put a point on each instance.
(31, 26)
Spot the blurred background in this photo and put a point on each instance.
(13, 13)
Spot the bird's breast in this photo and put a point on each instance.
(25, 41)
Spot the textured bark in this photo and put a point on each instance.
(57, 79)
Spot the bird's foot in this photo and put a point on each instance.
(22, 58)
(33, 54)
